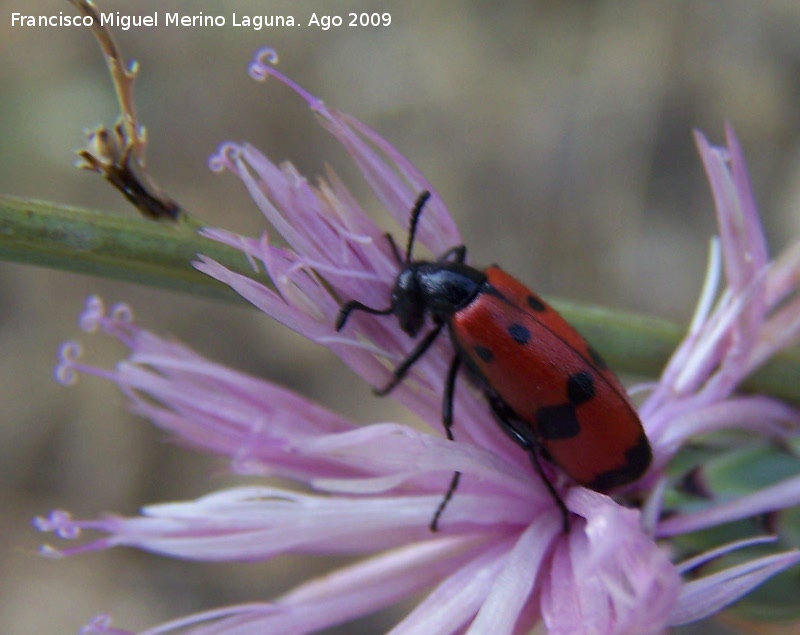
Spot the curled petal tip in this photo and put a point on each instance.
(65, 372)
(225, 157)
(260, 67)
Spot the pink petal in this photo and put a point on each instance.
(608, 578)
(782, 495)
(702, 598)
(454, 602)
(500, 613)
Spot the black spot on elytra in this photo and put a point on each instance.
(536, 304)
(596, 358)
(640, 455)
(637, 460)
(519, 333)
(557, 422)
(580, 387)
(484, 353)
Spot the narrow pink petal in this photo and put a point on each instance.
(784, 276)
(673, 380)
(454, 602)
(781, 331)
(686, 566)
(782, 495)
(358, 589)
(761, 415)
(510, 593)
(755, 252)
(743, 243)
(383, 580)
(394, 448)
(224, 621)
(393, 179)
(247, 523)
(439, 232)
(257, 523)
(312, 324)
(348, 593)
(702, 598)
(744, 248)
(395, 182)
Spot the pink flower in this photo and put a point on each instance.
(501, 561)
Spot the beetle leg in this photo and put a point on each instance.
(447, 421)
(458, 253)
(505, 417)
(355, 305)
(402, 368)
(447, 401)
(451, 489)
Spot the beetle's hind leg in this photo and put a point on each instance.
(507, 418)
(447, 422)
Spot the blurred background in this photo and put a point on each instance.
(559, 133)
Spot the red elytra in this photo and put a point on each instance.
(549, 390)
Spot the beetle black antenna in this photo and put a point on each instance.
(416, 212)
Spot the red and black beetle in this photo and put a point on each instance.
(549, 390)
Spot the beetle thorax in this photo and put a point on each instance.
(441, 288)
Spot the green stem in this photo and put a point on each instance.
(642, 345)
(129, 248)
(160, 254)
